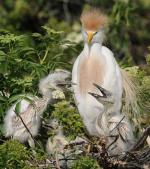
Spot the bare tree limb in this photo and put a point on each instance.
(141, 140)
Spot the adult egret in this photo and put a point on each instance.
(96, 64)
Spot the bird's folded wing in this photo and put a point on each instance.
(27, 117)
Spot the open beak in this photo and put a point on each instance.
(90, 36)
(66, 84)
(96, 96)
(106, 95)
(105, 92)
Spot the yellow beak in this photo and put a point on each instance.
(90, 36)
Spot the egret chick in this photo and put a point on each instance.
(112, 127)
(58, 142)
(31, 111)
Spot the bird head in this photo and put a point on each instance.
(58, 80)
(93, 23)
(62, 79)
(106, 98)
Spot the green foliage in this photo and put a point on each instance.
(54, 23)
(128, 28)
(148, 57)
(120, 22)
(24, 59)
(69, 118)
(143, 84)
(13, 155)
(84, 162)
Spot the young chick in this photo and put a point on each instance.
(58, 142)
(112, 126)
(32, 108)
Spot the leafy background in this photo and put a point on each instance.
(38, 36)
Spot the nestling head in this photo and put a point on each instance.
(93, 23)
(59, 79)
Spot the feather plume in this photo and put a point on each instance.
(131, 94)
(93, 19)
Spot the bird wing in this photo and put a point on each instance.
(107, 52)
(31, 114)
(75, 69)
(75, 76)
(40, 105)
(27, 116)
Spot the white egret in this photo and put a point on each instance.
(96, 64)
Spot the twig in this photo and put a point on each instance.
(118, 124)
(75, 143)
(142, 139)
(116, 138)
(27, 128)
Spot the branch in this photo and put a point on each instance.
(117, 124)
(141, 140)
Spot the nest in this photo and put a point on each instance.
(137, 158)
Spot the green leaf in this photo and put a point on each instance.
(2, 98)
(36, 35)
(20, 97)
(18, 108)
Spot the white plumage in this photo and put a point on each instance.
(96, 64)
(30, 114)
(31, 111)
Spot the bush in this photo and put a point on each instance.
(69, 118)
(24, 59)
(13, 155)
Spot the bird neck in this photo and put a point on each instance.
(59, 131)
(90, 49)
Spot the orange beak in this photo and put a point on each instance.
(90, 36)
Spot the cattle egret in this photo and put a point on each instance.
(32, 108)
(106, 123)
(58, 142)
(96, 64)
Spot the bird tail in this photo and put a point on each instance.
(131, 96)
